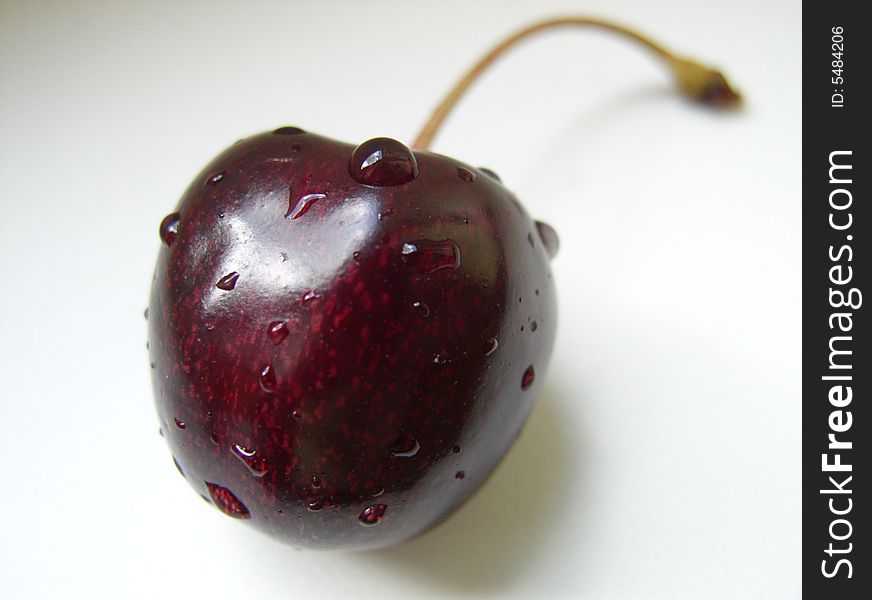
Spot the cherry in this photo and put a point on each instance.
(347, 340)
(353, 342)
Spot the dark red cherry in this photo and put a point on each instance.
(330, 325)
(333, 328)
(382, 162)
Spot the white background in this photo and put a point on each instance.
(663, 460)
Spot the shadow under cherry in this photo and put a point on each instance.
(493, 540)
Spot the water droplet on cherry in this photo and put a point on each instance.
(406, 446)
(288, 131)
(549, 238)
(315, 506)
(421, 308)
(528, 378)
(216, 178)
(316, 482)
(169, 228)
(179, 424)
(228, 282)
(429, 256)
(456, 449)
(491, 346)
(382, 162)
(227, 502)
(301, 207)
(372, 515)
(277, 332)
(465, 175)
(255, 464)
(490, 174)
(267, 378)
(460, 475)
(440, 359)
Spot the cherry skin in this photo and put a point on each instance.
(351, 338)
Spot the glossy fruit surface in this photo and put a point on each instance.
(346, 341)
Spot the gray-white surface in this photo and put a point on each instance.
(663, 459)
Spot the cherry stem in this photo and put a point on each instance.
(694, 80)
